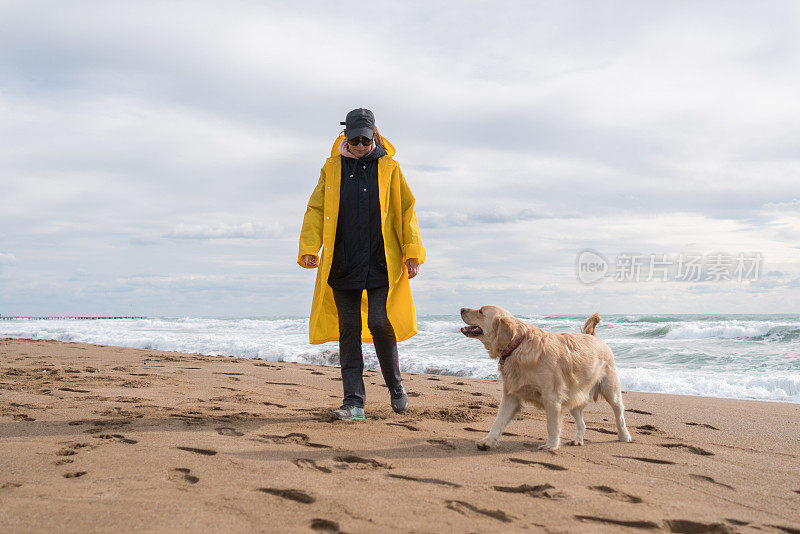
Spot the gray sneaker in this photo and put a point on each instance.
(348, 413)
(399, 399)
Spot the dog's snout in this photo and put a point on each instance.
(463, 310)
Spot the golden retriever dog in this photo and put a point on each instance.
(555, 372)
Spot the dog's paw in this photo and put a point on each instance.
(486, 443)
(575, 442)
(548, 446)
(626, 437)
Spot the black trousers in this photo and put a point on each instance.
(348, 304)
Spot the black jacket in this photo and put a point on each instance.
(359, 258)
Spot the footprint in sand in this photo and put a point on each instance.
(405, 425)
(640, 412)
(705, 478)
(75, 447)
(465, 508)
(618, 522)
(646, 460)
(437, 481)
(74, 474)
(686, 525)
(117, 437)
(308, 463)
(204, 452)
(189, 419)
(293, 437)
(704, 425)
(540, 491)
(228, 431)
(737, 522)
(351, 461)
(442, 444)
(537, 447)
(23, 417)
(24, 405)
(646, 429)
(324, 525)
(603, 431)
(690, 448)
(291, 494)
(615, 494)
(9, 485)
(183, 474)
(99, 424)
(470, 429)
(552, 467)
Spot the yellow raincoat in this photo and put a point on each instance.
(401, 239)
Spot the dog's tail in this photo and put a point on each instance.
(591, 322)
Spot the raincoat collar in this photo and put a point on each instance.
(376, 153)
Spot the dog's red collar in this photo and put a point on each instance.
(511, 348)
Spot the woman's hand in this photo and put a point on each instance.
(310, 260)
(413, 267)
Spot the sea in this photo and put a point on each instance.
(729, 356)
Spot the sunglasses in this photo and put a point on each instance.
(361, 140)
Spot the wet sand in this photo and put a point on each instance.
(97, 439)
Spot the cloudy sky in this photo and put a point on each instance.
(156, 157)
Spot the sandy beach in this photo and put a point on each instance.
(99, 438)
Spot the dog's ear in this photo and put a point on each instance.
(504, 328)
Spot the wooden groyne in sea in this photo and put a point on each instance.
(70, 317)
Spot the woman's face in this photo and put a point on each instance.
(358, 149)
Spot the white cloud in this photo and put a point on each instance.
(7, 259)
(248, 230)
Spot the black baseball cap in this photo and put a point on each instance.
(359, 122)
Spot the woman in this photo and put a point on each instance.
(362, 215)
